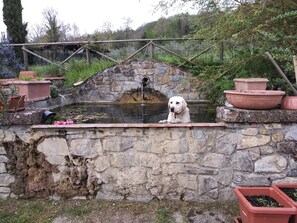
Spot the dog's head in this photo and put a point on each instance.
(177, 104)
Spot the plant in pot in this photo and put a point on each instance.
(10, 100)
(263, 205)
(33, 88)
(289, 192)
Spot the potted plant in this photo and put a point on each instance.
(10, 100)
(263, 205)
(34, 89)
(289, 192)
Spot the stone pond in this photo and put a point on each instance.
(144, 161)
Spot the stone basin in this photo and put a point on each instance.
(254, 99)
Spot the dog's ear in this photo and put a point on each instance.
(184, 103)
(169, 102)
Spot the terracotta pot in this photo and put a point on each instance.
(31, 74)
(289, 103)
(254, 99)
(14, 104)
(251, 214)
(56, 81)
(6, 81)
(279, 187)
(34, 90)
(242, 84)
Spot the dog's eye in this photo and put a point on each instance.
(171, 102)
(177, 102)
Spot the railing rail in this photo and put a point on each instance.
(149, 46)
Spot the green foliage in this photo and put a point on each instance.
(79, 70)
(249, 32)
(54, 92)
(163, 216)
(168, 59)
(50, 70)
(26, 78)
(78, 210)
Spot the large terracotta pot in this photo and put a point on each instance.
(281, 189)
(242, 84)
(254, 99)
(252, 214)
(34, 90)
(289, 103)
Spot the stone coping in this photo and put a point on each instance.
(53, 78)
(236, 115)
(130, 125)
(22, 82)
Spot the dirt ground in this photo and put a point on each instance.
(95, 211)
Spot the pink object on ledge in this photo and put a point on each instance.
(67, 122)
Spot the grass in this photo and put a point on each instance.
(77, 70)
(45, 211)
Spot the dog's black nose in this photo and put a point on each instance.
(172, 109)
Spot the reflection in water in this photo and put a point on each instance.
(130, 113)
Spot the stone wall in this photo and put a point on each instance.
(194, 161)
(112, 83)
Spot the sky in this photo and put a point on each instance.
(90, 15)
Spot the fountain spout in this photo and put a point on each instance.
(145, 81)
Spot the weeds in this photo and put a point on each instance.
(45, 211)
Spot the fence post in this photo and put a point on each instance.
(88, 56)
(151, 50)
(25, 57)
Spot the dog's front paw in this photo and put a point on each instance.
(175, 121)
(163, 121)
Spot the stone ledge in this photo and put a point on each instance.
(236, 115)
(26, 117)
(129, 125)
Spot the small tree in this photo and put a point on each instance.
(12, 18)
(52, 27)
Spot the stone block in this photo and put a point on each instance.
(273, 163)
(6, 179)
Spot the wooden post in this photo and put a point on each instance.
(25, 56)
(295, 67)
(88, 56)
(151, 50)
(281, 73)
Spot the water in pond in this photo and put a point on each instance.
(130, 113)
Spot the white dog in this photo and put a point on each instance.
(178, 111)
